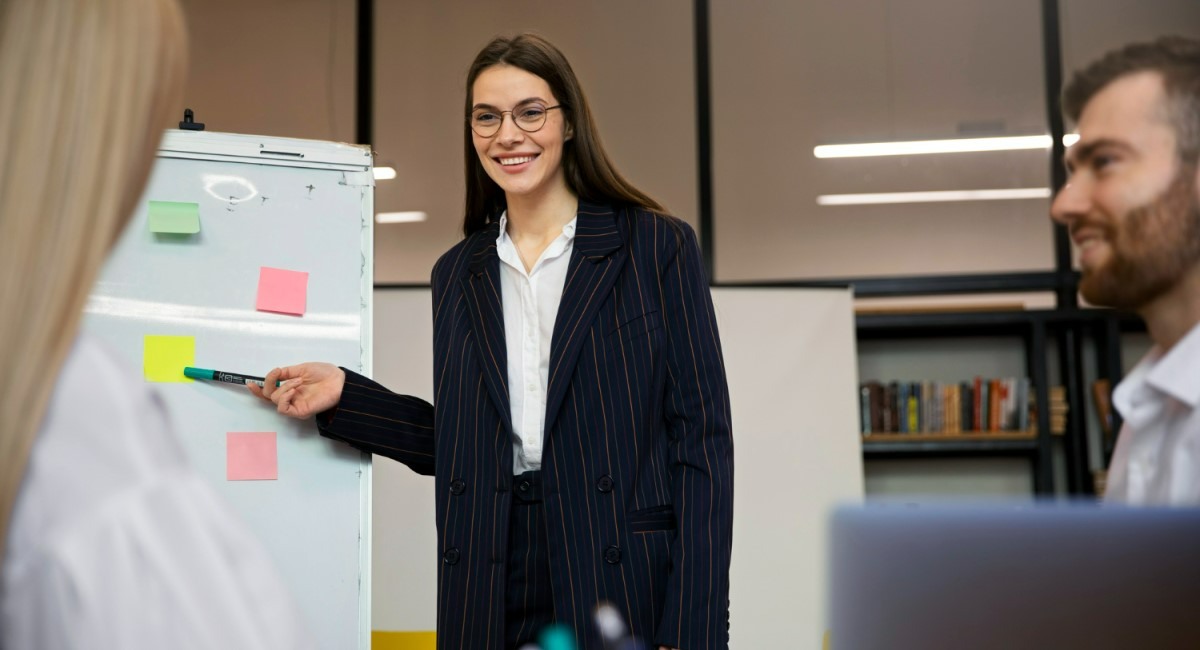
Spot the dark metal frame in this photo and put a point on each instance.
(364, 72)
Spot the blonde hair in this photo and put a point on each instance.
(85, 89)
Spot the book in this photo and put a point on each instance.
(864, 409)
(1102, 399)
(891, 420)
(977, 402)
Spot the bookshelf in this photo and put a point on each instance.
(1030, 327)
(1038, 331)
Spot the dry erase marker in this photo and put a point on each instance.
(221, 375)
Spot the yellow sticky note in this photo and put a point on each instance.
(164, 357)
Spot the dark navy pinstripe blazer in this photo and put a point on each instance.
(638, 453)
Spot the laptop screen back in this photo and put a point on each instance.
(993, 576)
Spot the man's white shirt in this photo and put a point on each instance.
(1157, 458)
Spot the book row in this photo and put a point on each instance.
(1000, 404)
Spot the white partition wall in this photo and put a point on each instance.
(790, 359)
(405, 544)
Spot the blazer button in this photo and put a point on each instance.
(450, 556)
(457, 486)
(524, 485)
(605, 484)
(612, 554)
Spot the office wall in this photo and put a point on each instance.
(272, 67)
(788, 76)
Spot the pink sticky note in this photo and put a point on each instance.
(250, 456)
(282, 291)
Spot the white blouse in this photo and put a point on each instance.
(530, 301)
(115, 542)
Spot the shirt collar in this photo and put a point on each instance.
(506, 249)
(568, 231)
(1139, 395)
(1177, 373)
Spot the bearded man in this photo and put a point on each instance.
(1133, 209)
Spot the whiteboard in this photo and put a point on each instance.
(791, 365)
(263, 202)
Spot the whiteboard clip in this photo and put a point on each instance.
(189, 123)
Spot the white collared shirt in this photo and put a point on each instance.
(1157, 459)
(530, 306)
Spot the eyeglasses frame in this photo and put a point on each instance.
(515, 122)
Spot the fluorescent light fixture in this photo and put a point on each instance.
(915, 147)
(934, 197)
(384, 173)
(400, 217)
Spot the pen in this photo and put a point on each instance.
(221, 375)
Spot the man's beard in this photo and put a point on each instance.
(1151, 250)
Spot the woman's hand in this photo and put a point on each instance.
(307, 388)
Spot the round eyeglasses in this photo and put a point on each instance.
(529, 117)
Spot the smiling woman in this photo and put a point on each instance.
(581, 442)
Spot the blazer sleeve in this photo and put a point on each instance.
(696, 408)
(375, 420)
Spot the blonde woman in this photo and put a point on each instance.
(109, 539)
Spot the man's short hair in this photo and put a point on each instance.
(1175, 59)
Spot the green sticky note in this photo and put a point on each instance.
(164, 357)
(174, 218)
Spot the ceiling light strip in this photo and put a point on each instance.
(935, 197)
(400, 217)
(959, 145)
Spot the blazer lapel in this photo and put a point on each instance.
(481, 286)
(596, 260)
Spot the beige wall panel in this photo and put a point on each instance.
(788, 76)
(272, 67)
(1092, 27)
(634, 59)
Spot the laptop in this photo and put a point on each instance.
(1008, 577)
